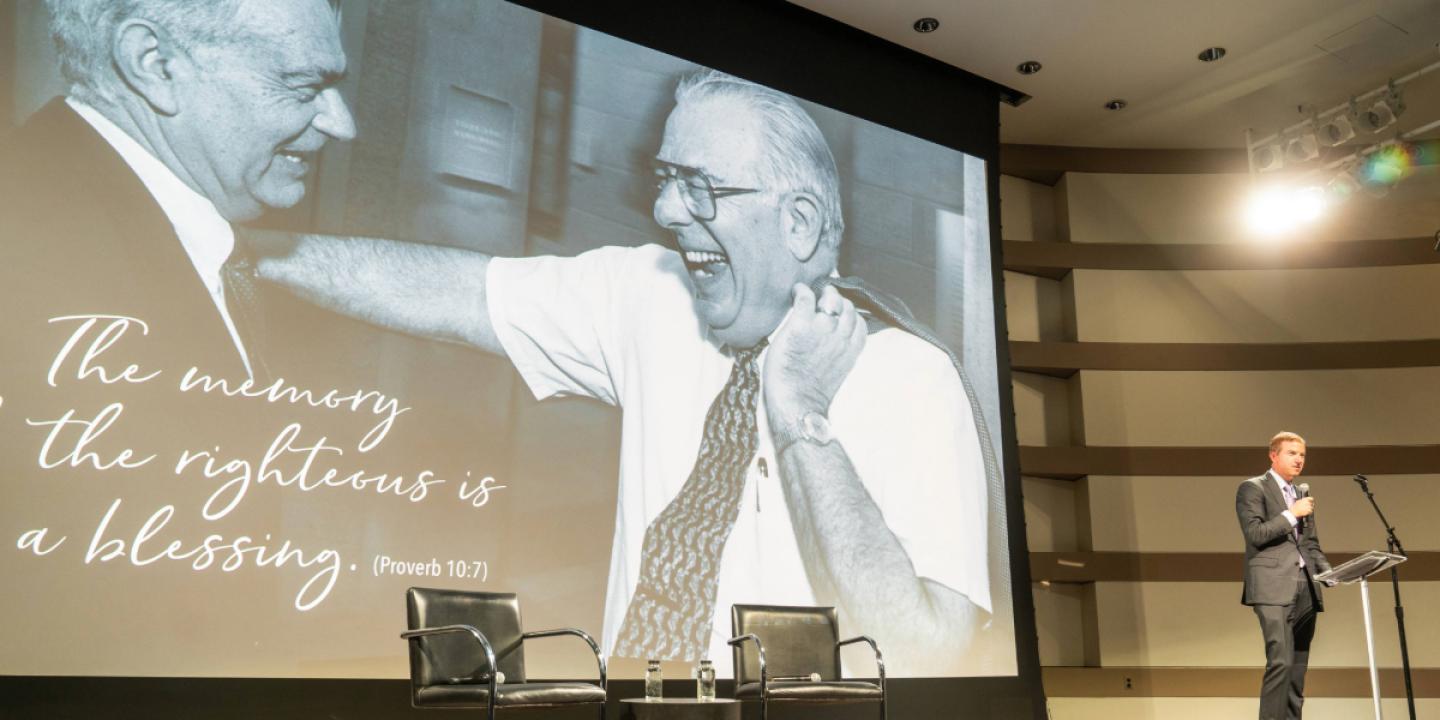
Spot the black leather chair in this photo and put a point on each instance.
(457, 641)
(780, 651)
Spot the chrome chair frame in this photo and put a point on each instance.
(765, 679)
(492, 676)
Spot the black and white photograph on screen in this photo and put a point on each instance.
(701, 342)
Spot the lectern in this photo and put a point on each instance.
(1359, 570)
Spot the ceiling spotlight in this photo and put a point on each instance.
(1354, 167)
(926, 25)
(1343, 186)
(1302, 148)
(1335, 131)
(1029, 67)
(1211, 54)
(1383, 113)
(1276, 211)
(1116, 104)
(1268, 157)
(1377, 118)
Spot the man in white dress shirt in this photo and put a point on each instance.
(863, 485)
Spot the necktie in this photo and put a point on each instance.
(1290, 500)
(242, 298)
(1294, 531)
(670, 615)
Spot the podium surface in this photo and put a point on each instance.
(1360, 568)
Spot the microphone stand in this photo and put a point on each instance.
(1393, 543)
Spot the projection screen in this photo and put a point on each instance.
(179, 516)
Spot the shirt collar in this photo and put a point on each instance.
(729, 351)
(206, 236)
(1276, 477)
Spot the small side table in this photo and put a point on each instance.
(681, 709)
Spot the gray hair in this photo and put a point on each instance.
(798, 158)
(83, 31)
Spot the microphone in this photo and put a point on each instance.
(1302, 491)
(1363, 482)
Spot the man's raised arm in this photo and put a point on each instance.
(426, 290)
(850, 553)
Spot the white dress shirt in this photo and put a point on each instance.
(206, 236)
(619, 325)
(1280, 483)
(1294, 521)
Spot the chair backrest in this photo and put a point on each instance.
(797, 640)
(458, 658)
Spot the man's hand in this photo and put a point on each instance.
(811, 355)
(1302, 507)
(852, 558)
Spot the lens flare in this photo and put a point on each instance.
(1388, 165)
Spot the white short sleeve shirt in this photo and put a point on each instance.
(618, 324)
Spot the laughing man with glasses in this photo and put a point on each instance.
(865, 486)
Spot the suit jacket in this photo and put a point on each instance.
(82, 235)
(1272, 553)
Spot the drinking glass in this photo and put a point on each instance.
(705, 681)
(654, 689)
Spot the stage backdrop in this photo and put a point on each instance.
(176, 523)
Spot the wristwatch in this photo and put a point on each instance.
(813, 427)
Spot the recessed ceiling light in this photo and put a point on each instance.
(926, 24)
(1116, 104)
(1029, 67)
(1211, 54)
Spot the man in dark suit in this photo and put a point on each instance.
(1282, 555)
(116, 204)
(180, 119)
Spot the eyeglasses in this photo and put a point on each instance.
(696, 190)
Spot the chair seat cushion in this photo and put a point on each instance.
(513, 695)
(829, 691)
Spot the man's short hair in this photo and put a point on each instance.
(1283, 437)
(83, 31)
(797, 158)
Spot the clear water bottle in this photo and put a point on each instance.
(705, 681)
(654, 687)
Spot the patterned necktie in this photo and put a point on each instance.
(670, 614)
(1290, 500)
(1290, 497)
(242, 299)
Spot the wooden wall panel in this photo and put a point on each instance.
(1238, 462)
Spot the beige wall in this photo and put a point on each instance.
(1256, 306)
(1202, 624)
(1110, 208)
(1164, 514)
(1395, 406)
